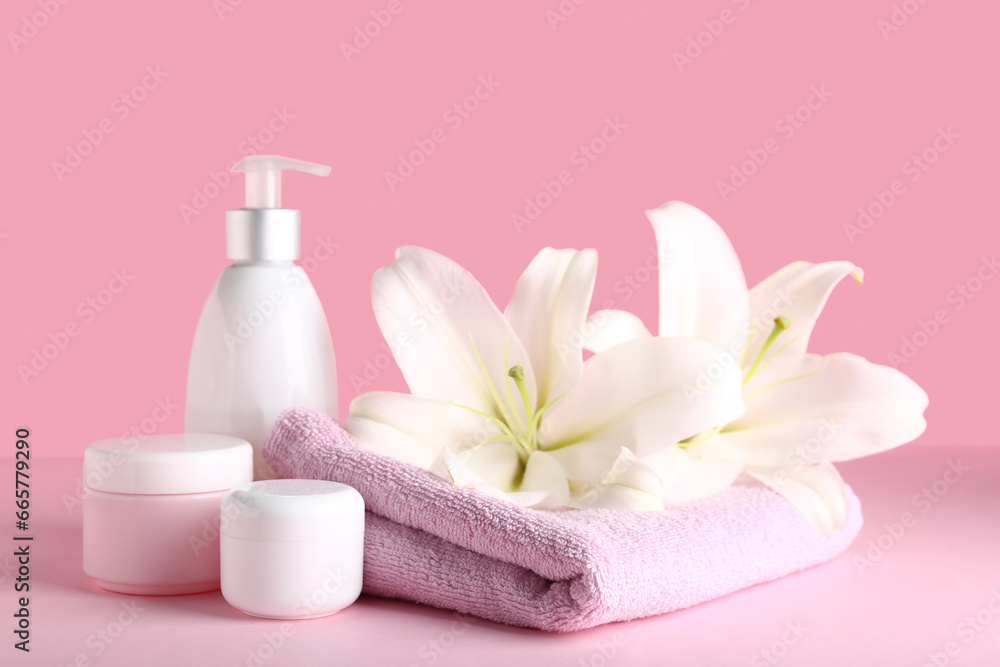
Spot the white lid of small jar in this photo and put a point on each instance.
(293, 510)
(168, 464)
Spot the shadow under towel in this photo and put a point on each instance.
(430, 542)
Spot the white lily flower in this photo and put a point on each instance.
(504, 403)
(802, 410)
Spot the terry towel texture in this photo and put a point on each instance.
(427, 541)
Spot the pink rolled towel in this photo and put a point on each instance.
(427, 541)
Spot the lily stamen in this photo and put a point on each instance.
(521, 433)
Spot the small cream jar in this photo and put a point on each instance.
(292, 548)
(151, 510)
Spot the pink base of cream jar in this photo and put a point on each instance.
(152, 545)
(151, 511)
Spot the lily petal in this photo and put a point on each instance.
(547, 312)
(428, 307)
(644, 395)
(543, 473)
(607, 328)
(798, 293)
(627, 484)
(413, 429)
(703, 293)
(539, 500)
(835, 407)
(586, 460)
(457, 470)
(629, 470)
(696, 471)
(817, 491)
(496, 463)
(618, 497)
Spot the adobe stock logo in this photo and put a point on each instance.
(30, 25)
(581, 158)
(772, 655)
(958, 298)
(562, 12)
(219, 179)
(900, 15)
(914, 167)
(786, 126)
(923, 501)
(454, 116)
(363, 35)
(713, 28)
(42, 356)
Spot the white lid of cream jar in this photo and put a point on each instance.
(293, 510)
(168, 464)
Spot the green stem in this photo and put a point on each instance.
(780, 324)
(536, 420)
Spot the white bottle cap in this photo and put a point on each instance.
(262, 230)
(168, 464)
(293, 510)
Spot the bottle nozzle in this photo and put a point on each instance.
(263, 230)
(263, 177)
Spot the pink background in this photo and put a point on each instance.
(61, 240)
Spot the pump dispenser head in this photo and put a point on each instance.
(262, 230)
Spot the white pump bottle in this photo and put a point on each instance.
(262, 344)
